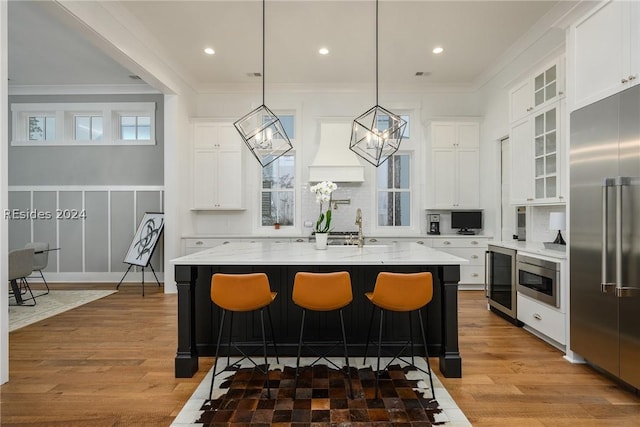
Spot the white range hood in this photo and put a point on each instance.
(334, 160)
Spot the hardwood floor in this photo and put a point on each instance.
(110, 363)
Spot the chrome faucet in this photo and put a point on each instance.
(359, 224)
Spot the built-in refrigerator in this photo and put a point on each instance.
(605, 234)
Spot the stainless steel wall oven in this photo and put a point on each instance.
(539, 279)
(500, 281)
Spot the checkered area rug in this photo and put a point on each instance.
(321, 398)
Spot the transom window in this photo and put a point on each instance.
(73, 123)
(41, 128)
(277, 201)
(135, 127)
(88, 128)
(394, 192)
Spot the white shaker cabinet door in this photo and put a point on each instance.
(602, 51)
(521, 162)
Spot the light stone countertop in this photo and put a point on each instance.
(533, 248)
(305, 253)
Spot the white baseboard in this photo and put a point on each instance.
(97, 277)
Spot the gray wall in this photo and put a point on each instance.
(85, 165)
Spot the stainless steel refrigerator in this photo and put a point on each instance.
(605, 234)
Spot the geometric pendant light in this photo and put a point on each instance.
(376, 134)
(261, 129)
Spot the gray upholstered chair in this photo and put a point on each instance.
(21, 266)
(40, 259)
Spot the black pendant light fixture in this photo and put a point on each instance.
(376, 134)
(261, 129)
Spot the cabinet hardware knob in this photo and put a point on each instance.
(199, 242)
(560, 93)
(373, 240)
(624, 81)
(474, 275)
(299, 240)
(474, 242)
(446, 242)
(420, 242)
(529, 199)
(537, 316)
(474, 256)
(632, 77)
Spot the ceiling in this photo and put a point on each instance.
(476, 36)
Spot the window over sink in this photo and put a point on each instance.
(394, 192)
(278, 192)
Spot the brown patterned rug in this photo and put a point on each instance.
(320, 399)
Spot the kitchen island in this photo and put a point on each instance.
(198, 318)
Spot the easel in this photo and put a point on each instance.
(131, 265)
(144, 245)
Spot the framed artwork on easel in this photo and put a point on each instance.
(144, 244)
(145, 240)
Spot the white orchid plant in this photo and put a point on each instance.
(323, 192)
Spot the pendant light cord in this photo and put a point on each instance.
(376, 52)
(263, 49)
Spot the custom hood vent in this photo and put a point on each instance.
(334, 160)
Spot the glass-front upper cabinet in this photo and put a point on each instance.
(546, 138)
(545, 85)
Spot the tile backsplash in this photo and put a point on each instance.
(538, 223)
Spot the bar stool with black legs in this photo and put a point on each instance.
(323, 292)
(401, 292)
(242, 293)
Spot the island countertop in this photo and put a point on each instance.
(305, 253)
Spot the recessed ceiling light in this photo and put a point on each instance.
(437, 50)
(209, 51)
(323, 51)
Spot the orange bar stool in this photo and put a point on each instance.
(323, 292)
(243, 293)
(401, 292)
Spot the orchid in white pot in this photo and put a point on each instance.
(323, 192)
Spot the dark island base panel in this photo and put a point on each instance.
(198, 318)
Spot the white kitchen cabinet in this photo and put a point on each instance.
(543, 87)
(604, 46)
(217, 167)
(542, 318)
(455, 165)
(536, 166)
(470, 248)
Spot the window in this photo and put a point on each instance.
(278, 192)
(108, 123)
(394, 192)
(41, 128)
(383, 123)
(88, 128)
(135, 128)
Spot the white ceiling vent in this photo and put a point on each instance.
(334, 160)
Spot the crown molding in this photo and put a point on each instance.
(82, 89)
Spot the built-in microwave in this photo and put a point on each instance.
(539, 279)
